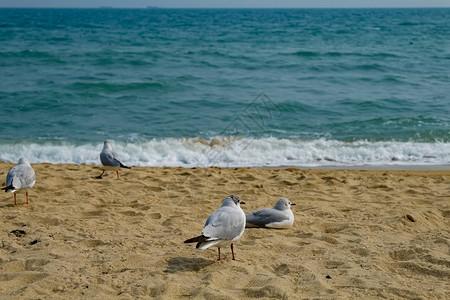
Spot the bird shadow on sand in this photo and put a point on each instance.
(9, 204)
(186, 264)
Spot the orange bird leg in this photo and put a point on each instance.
(232, 252)
(27, 196)
(15, 203)
(117, 172)
(218, 248)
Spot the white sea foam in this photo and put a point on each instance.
(237, 152)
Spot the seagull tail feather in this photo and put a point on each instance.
(123, 166)
(197, 239)
(9, 187)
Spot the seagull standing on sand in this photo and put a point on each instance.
(223, 227)
(280, 216)
(20, 177)
(109, 160)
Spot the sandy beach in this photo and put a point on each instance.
(358, 234)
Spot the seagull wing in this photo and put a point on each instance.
(265, 216)
(108, 159)
(225, 223)
(20, 176)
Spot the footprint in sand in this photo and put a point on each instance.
(155, 216)
(268, 291)
(27, 271)
(186, 264)
(131, 213)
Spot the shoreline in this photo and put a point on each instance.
(387, 167)
(412, 167)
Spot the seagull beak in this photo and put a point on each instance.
(242, 202)
(292, 204)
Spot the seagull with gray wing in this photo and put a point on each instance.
(279, 216)
(109, 160)
(20, 177)
(223, 227)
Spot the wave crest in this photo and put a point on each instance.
(236, 152)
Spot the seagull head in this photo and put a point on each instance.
(23, 161)
(283, 204)
(233, 200)
(107, 145)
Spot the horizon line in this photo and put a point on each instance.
(163, 7)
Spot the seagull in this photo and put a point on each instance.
(109, 160)
(223, 227)
(280, 216)
(20, 177)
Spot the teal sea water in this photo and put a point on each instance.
(242, 87)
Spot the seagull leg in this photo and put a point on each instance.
(15, 203)
(232, 252)
(117, 172)
(27, 196)
(218, 248)
(101, 175)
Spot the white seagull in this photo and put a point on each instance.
(223, 227)
(109, 160)
(20, 177)
(279, 216)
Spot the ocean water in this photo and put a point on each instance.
(226, 87)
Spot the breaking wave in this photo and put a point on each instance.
(236, 152)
